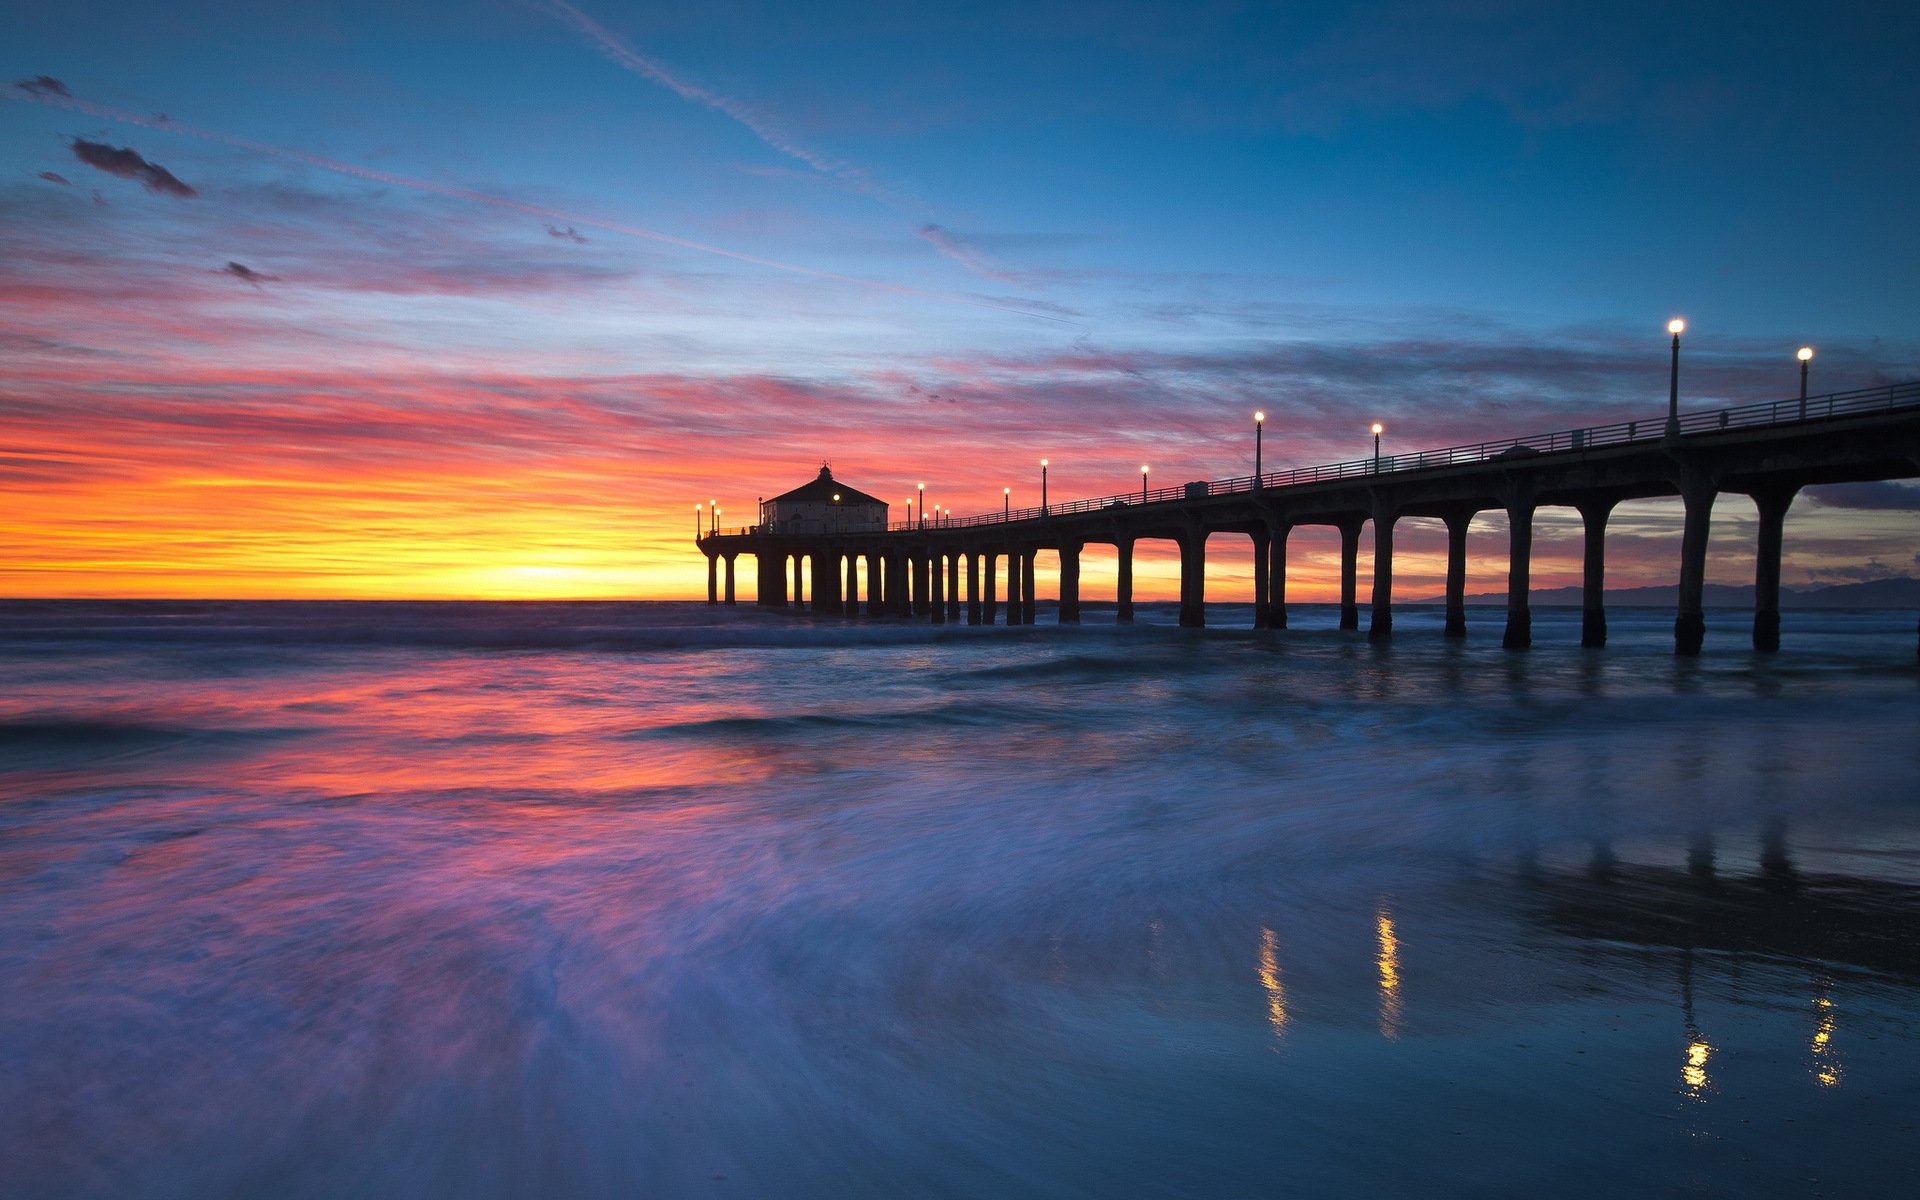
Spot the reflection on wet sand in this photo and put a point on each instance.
(1269, 972)
(1388, 961)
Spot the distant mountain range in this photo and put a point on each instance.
(1874, 593)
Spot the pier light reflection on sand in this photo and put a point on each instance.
(1269, 973)
(1827, 1071)
(1388, 962)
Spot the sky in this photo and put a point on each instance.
(480, 299)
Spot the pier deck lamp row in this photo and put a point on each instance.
(1259, 420)
(1143, 483)
(1805, 355)
(1378, 429)
(1043, 487)
(1006, 504)
(699, 515)
(922, 521)
(1675, 327)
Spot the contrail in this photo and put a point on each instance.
(168, 125)
(761, 127)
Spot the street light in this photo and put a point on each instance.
(1259, 421)
(1378, 428)
(699, 512)
(1805, 355)
(1043, 487)
(1675, 327)
(1006, 504)
(923, 506)
(1143, 483)
(716, 518)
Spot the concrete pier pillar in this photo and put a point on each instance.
(1262, 578)
(876, 584)
(713, 579)
(730, 560)
(1277, 579)
(853, 585)
(937, 588)
(973, 588)
(899, 589)
(1380, 623)
(953, 588)
(1123, 592)
(1016, 607)
(1193, 580)
(799, 592)
(1772, 504)
(1690, 621)
(1519, 634)
(1028, 591)
(1593, 579)
(1457, 526)
(1349, 574)
(991, 608)
(826, 583)
(922, 579)
(1070, 583)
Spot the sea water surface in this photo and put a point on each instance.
(656, 900)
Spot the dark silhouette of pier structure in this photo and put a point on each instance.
(1766, 451)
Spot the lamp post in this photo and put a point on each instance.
(1378, 428)
(1006, 504)
(908, 505)
(699, 512)
(1043, 487)
(836, 512)
(1805, 355)
(1259, 422)
(1675, 327)
(922, 522)
(716, 518)
(1143, 483)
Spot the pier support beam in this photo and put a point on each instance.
(853, 585)
(1457, 525)
(936, 579)
(1070, 583)
(876, 584)
(1015, 608)
(1773, 504)
(1277, 579)
(1349, 572)
(1380, 624)
(730, 560)
(826, 583)
(1519, 633)
(953, 588)
(991, 608)
(713, 579)
(973, 588)
(1193, 579)
(1690, 622)
(798, 578)
(1593, 577)
(1027, 587)
(1262, 577)
(1123, 593)
(922, 580)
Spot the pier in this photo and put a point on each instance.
(1767, 451)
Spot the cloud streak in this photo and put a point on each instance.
(127, 163)
(568, 234)
(761, 125)
(246, 274)
(43, 85)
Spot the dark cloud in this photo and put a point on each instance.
(99, 199)
(52, 177)
(44, 85)
(127, 164)
(1889, 497)
(246, 274)
(566, 234)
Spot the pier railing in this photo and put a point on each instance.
(1792, 411)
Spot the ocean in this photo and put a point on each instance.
(666, 900)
